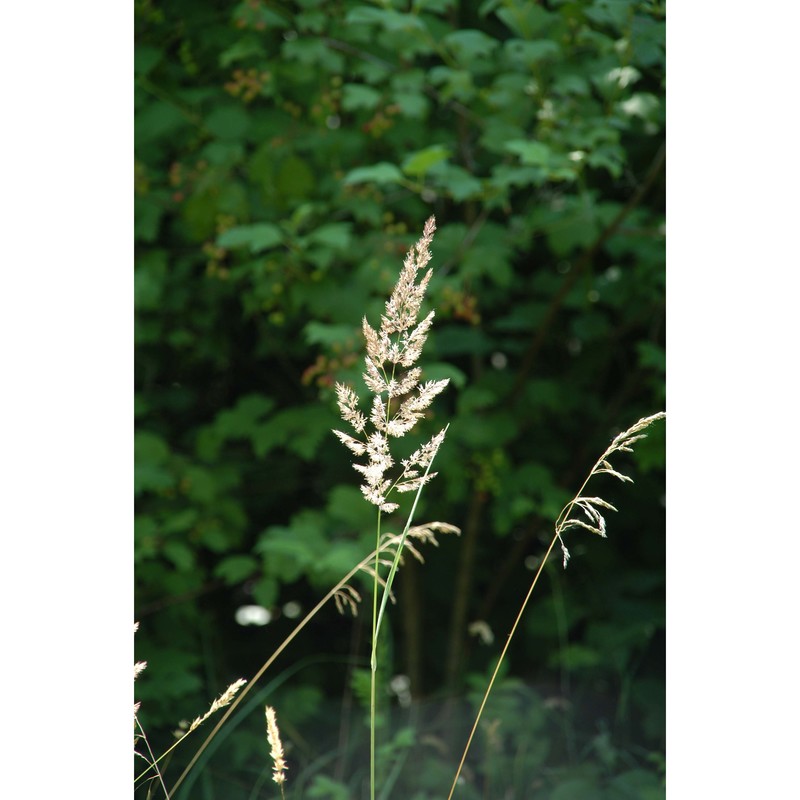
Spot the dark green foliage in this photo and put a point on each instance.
(287, 154)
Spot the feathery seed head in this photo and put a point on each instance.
(276, 748)
(391, 353)
(591, 505)
(225, 699)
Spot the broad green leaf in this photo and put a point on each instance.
(470, 45)
(242, 420)
(380, 173)
(235, 569)
(180, 555)
(433, 6)
(529, 53)
(456, 84)
(526, 18)
(440, 370)
(346, 504)
(180, 521)
(265, 592)
(456, 181)
(529, 152)
(328, 335)
(241, 50)
(336, 235)
(257, 237)
(356, 96)
(412, 104)
(228, 122)
(387, 18)
(150, 447)
(158, 120)
(614, 13)
(314, 53)
(417, 164)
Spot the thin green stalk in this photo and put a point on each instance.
(396, 562)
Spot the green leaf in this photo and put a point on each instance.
(242, 420)
(389, 19)
(329, 335)
(356, 96)
(265, 592)
(412, 104)
(158, 120)
(457, 84)
(614, 13)
(530, 153)
(336, 235)
(346, 504)
(235, 569)
(380, 173)
(526, 18)
(240, 51)
(180, 521)
(530, 53)
(440, 370)
(300, 429)
(470, 45)
(456, 181)
(257, 237)
(228, 122)
(150, 447)
(180, 555)
(417, 164)
(315, 53)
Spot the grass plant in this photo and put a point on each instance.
(399, 401)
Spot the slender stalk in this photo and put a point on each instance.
(499, 662)
(373, 664)
(621, 443)
(395, 563)
(268, 663)
(153, 760)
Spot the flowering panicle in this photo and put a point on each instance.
(591, 505)
(275, 748)
(391, 353)
(225, 699)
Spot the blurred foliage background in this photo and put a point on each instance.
(287, 155)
